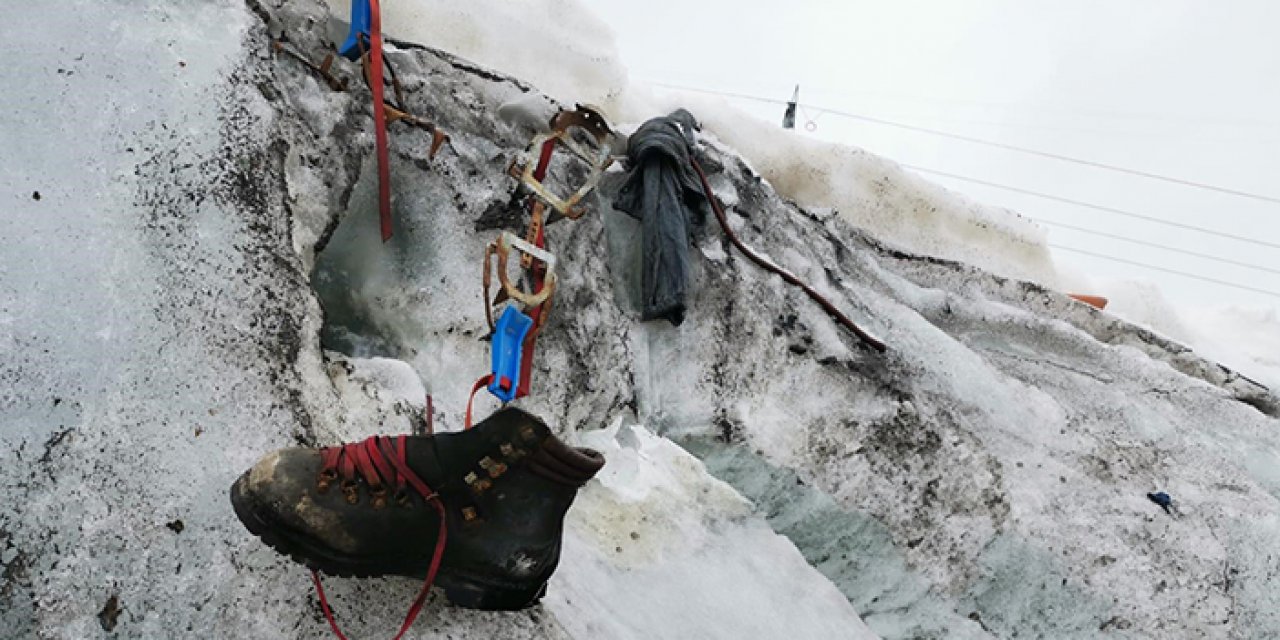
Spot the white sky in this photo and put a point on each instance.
(1179, 88)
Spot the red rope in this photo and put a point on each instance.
(783, 273)
(379, 118)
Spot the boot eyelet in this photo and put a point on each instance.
(349, 489)
(511, 453)
(379, 497)
(325, 478)
(402, 498)
(494, 467)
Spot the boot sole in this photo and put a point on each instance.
(460, 590)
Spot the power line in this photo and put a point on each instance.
(1000, 145)
(1134, 240)
(1009, 124)
(1172, 271)
(728, 94)
(1097, 207)
(1016, 189)
(1084, 112)
(1055, 156)
(1074, 202)
(1160, 246)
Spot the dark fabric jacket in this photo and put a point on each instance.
(664, 194)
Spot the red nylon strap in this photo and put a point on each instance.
(431, 413)
(371, 452)
(347, 466)
(379, 118)
(403, 456)
(418, 602)
(480, 384)
(402, 467)
(539, 270)
(364, 463)
(324, 604)
(436, 557)
(374, 452)
(329, 458)
(387, 447)
(544, 160)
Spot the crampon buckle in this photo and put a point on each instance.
(507, 352)
(598, 154)
(513, 327)
(510, 290)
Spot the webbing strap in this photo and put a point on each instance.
(538, 271)
(480, 384)
(430, 411)
(382, 461)
(418, 602)
(379, 119)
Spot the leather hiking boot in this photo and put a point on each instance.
(497, 493)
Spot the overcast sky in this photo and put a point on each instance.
(1185, 89)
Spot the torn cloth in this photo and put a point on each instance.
(664, 194)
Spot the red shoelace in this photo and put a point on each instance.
(382, 462)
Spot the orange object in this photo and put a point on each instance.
(1097, 302)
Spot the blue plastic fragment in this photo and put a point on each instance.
(361, 17)
(1161, 498)
(508, 342)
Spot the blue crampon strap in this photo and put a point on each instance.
(361, 17)
(508, 342)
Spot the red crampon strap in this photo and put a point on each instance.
(381, 461)
(531, 342)
(430, 418)
(379, 118)
(480, 384)
(544, 160)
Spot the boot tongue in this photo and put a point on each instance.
(424, 459)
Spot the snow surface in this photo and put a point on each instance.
(161, 329)
(1243, 338)
(1247, 339)
(686, 553)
